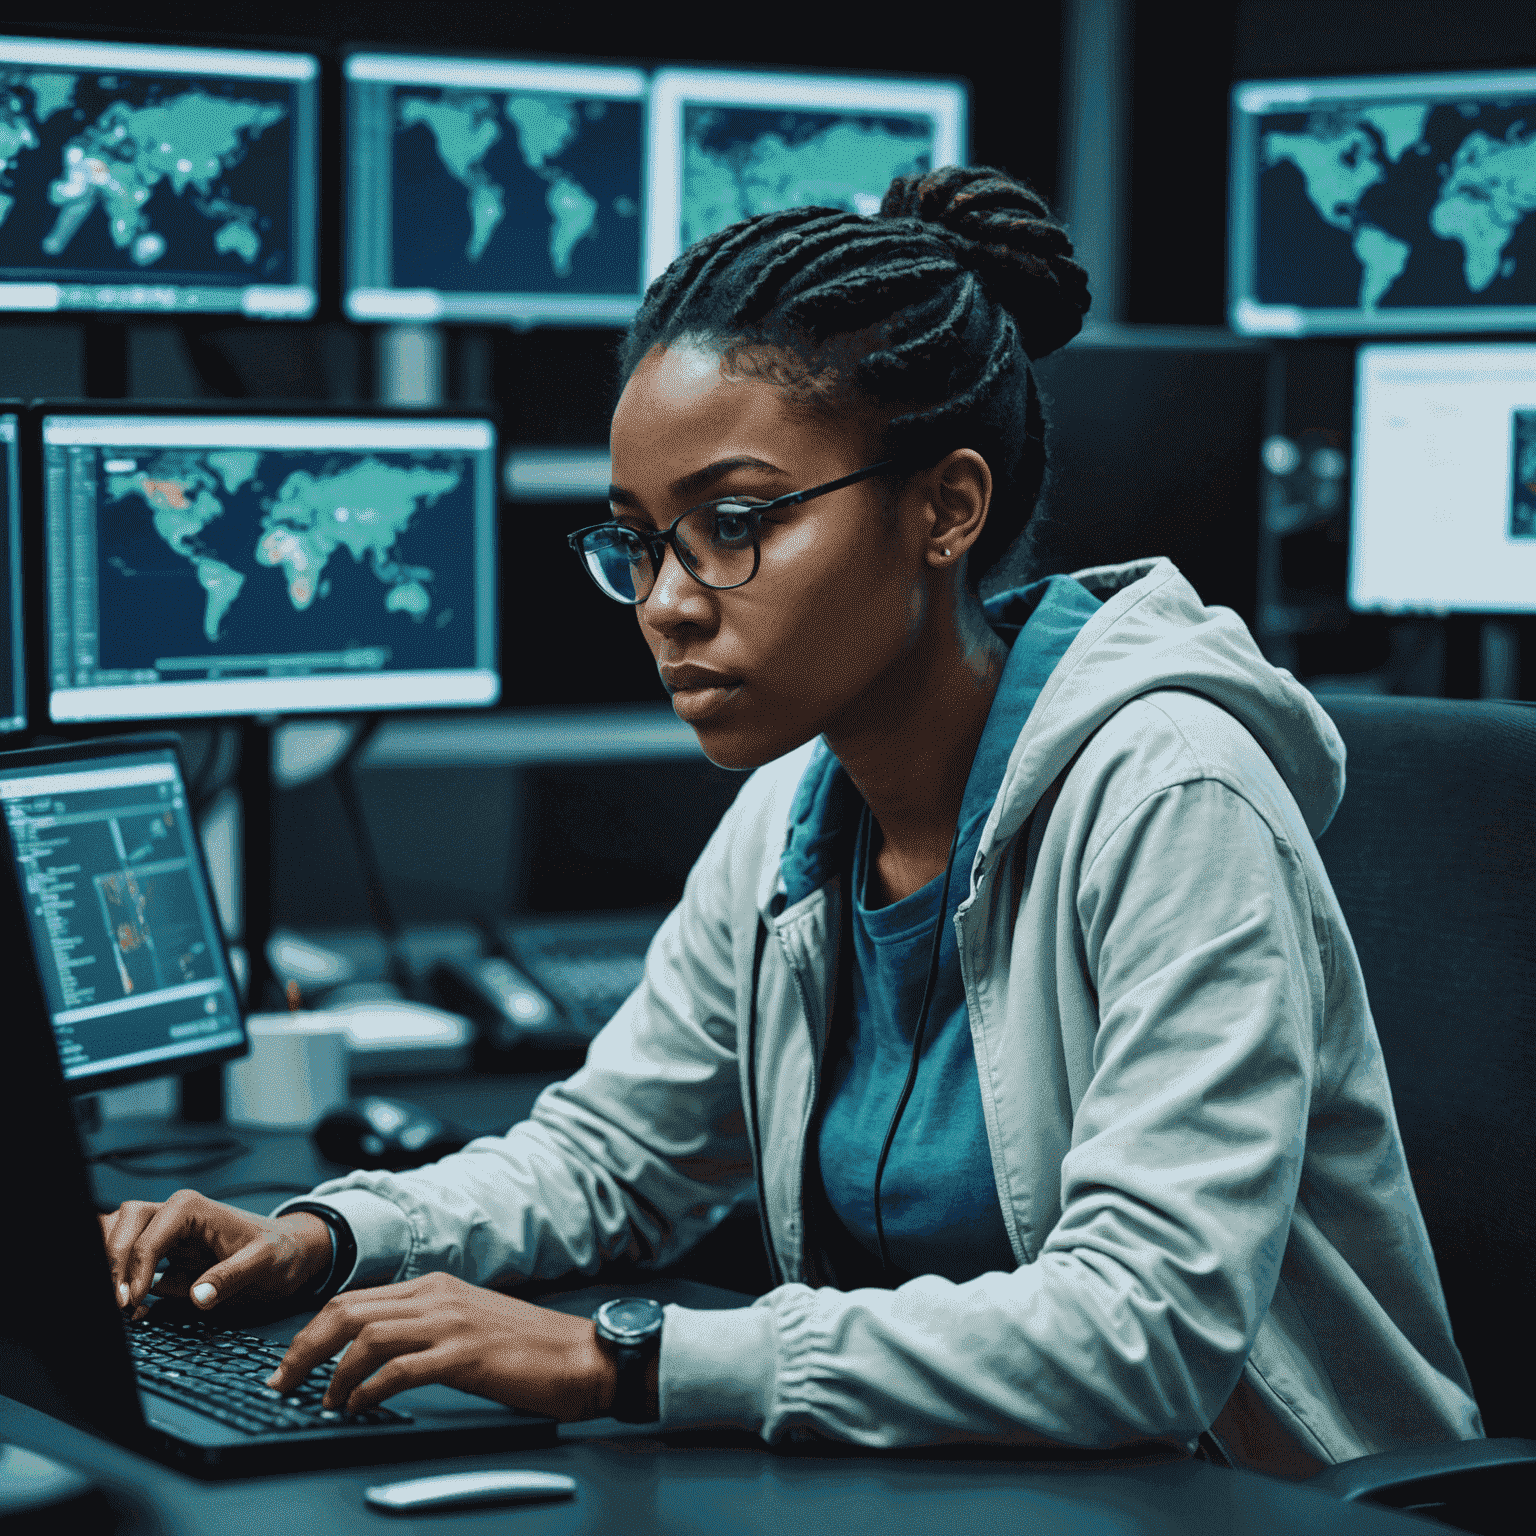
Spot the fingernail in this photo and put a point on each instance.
(203, 1294)
(272, 1379)
(122, 1295)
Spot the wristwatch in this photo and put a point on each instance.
(630, 1329)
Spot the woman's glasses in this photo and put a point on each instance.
(717, 542)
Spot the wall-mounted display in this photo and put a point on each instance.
(157, 179)
(727, 144)
(1403, 204)
(494, 190)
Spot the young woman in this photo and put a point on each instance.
(1012, 983)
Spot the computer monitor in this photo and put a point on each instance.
(729, 144)
(157, 179)
(203, 565)
(1444, 480)
(122, 926)
(1383, 205)
(496, 190)
(13, 671)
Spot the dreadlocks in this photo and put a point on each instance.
(925, 315)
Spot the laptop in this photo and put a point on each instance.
(114, 967)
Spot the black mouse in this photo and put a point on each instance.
(385, 1133)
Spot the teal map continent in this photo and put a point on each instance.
(846, 164)
(180, 489)
(465, 125)
(189, 140)
(363, 509)
(1491, 188)
(19, 119)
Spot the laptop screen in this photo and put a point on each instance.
(122, 923)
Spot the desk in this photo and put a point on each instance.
(482, 1105)
(635, 1482)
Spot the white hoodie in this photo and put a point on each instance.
(1188, 1114)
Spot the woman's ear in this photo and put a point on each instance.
(960, 494)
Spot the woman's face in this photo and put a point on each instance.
(816, 641)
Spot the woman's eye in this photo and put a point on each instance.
(733, 525)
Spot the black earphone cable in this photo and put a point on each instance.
(917, 1042)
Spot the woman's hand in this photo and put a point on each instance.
(442, 1329)
(212, 1252)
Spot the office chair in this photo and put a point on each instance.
(1433, 857)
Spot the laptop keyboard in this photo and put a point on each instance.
(222, 1373)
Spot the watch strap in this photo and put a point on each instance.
(630, 1393)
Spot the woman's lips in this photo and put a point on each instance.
(697, 704)
(698, 692)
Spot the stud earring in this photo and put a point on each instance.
(946, 554)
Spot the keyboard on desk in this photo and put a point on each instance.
(222, 1372)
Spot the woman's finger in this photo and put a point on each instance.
(376, 1342)
(336, 1325)
(244, 1268)
(127, 1224)
(170, 1225)
(398, 1374)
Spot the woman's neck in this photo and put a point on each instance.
(910, 745)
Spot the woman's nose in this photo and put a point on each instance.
(678, 596)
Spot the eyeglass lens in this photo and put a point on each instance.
(715, 542)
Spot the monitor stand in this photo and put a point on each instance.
(344, 776)
(202, 1091)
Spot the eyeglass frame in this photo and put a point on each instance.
(657, 541)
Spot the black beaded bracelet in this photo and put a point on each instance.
(343, 1249)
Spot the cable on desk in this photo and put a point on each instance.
(195, 1156)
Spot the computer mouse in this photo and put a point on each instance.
(376, 1132)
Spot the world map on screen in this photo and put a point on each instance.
(1376, 205)
(143, 173)
(516, 192)
(741, 161)
(262, 552)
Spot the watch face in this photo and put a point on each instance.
(629, 1319)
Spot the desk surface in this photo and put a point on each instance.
(274, 1164)
(638, 1484)
(634, 1482)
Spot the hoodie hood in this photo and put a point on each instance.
(1154, 632)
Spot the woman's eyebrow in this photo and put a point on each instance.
(698, 481)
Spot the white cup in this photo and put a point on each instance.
(296, 1071)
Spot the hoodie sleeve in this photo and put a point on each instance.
(1191, 919)
(634, 1157)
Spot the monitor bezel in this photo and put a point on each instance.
(14, 576)
(392, 305)
(123, 746)
(34, 542)
(296, 301)
(1251, 99)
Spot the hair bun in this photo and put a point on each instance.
(1003, 231)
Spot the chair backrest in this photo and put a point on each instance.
(1433, 858)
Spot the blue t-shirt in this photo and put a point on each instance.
(938, 1195)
